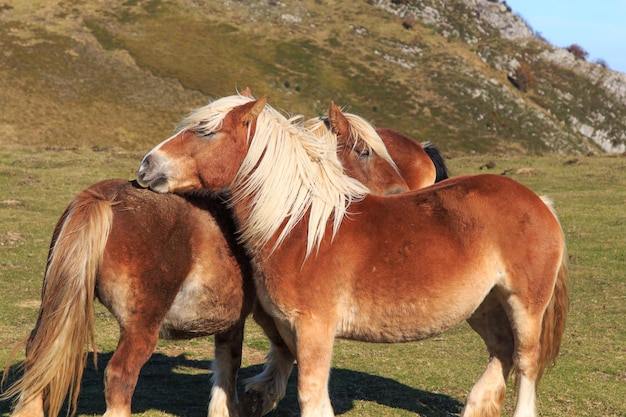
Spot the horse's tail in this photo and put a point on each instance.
(55, 350)
(556, 313)
(440, 165)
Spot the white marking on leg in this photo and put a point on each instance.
(526, 398)
(218, 406)
(223, 394)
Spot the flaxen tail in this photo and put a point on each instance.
(55, 350)
(556, 313)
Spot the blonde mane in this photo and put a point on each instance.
(360, 131)
(209, 118)
(287, 173)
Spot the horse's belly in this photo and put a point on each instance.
(406, 317)
(391, 328)
(201, 309)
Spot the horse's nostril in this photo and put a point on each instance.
(145, 164)
(143, 171)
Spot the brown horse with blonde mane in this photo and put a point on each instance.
(166, 266)
(420, 165)
(403, 267)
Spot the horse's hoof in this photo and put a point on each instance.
(251, 405)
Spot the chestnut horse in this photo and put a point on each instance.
(403, 267)
(115, 240)
(420, 165)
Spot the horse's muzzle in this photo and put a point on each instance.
(152, 175)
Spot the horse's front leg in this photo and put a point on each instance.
(265, 390)
(226, 364)
(314, 338)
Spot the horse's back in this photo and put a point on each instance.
(469, 224)
(485, 207)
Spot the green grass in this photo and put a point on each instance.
(429, 378)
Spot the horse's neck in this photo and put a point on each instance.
(261, 251)
(240, 210)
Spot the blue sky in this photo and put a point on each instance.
(599, 26)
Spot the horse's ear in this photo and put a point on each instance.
(337, 120)
(247, 92)
(254, 110)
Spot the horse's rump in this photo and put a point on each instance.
(189, 242)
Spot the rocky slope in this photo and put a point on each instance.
(601, 123)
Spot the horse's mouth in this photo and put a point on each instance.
(158, 184)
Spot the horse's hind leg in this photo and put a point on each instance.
(226, 364)
(33, 408)
(133, 350)
(527, 357)
(490, 321)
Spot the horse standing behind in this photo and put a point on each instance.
(482, 248)
(420, 165)
(118, 242)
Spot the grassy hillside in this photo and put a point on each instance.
(429, 378)
(120, 73)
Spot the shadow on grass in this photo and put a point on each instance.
(181, 387)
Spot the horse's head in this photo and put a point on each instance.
(363, 153)
(208, 150)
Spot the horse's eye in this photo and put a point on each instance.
(363, 153)
(206, 135)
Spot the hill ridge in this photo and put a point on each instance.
(127, 70)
